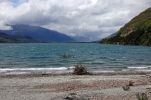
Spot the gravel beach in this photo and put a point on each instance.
(87, 87)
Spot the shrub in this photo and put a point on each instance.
(142, 96)
(80, 70)
(126, 88)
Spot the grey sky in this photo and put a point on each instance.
(92, 19)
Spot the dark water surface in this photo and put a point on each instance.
(65, 55)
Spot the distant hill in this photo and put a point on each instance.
(38, 34)
(136, 32)
(5, 38)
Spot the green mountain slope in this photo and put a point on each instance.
(136, 32)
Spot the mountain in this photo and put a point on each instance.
(136, 32)
(5, 38)
(38, 34)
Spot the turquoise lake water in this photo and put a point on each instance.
(93, 55)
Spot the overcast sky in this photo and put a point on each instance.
(92, 19)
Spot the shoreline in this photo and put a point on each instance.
(44, 73)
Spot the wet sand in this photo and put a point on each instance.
(89, 87)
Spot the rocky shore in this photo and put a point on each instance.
(75, 87)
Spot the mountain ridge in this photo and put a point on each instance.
(5, 38)
(37, 33)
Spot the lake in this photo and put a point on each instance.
(62, 56)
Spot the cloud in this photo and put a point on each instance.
(92, 19)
